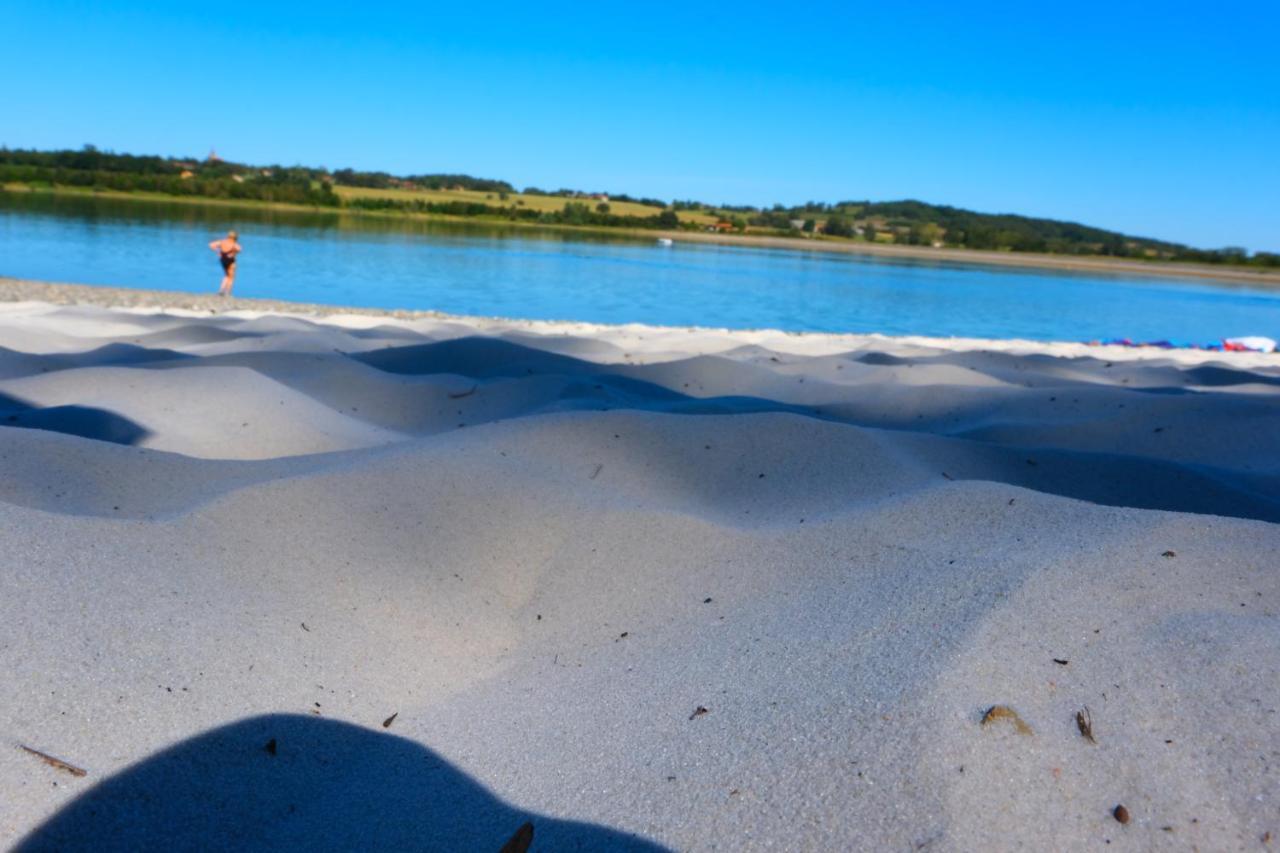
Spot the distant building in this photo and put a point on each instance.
(187, 174)
(213, 157)
(797, 224)
(721, 227)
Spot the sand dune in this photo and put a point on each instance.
(545, 547)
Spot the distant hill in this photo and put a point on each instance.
(906, 222)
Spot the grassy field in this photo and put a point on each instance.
(539, 203)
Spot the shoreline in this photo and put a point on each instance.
(973, 257)
(980, 257)
(182, 303)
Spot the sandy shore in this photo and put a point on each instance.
(1257, 277)
(279, 578)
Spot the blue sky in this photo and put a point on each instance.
(1160, 120)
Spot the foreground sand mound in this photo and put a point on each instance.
(644, 588)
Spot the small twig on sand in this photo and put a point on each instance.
(461, 394)
(54, 762)
(386, 724)
(1084, 722)
(596, 473)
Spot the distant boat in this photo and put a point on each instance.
(666, 241)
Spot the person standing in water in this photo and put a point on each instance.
(227, 248)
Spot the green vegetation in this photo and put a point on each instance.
(93, 169)
(916, 223)
(904, 222)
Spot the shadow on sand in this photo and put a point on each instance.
(320, 785)
(1146, 482)
(84, 421)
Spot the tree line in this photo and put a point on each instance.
(908, 222)
(89, 168)
(919, 223)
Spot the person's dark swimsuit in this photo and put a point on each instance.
(228, 260)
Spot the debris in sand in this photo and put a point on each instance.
(1121, 814)
(706, 600)
(304, 627)
(1169, 554)
(462, 394)
(519, 842)
(698, 712)
(54, 762)
(948, 476)
(270, 747)
(1084, 722)
(596, 473)
(1003, 712)
(1061, 662)
(386, 724)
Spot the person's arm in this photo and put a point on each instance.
(216, 245)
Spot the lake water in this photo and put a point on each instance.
(340, 259)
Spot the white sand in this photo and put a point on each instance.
(507, 533)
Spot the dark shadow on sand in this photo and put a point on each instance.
(325, 786)
(19, 364)
(83, 421)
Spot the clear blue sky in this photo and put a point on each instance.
(1160, 119)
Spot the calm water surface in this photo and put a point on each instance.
(335, 259)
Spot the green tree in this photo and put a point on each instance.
(925, 234)
(838, 226)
